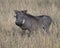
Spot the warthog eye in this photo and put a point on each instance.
(23, 21)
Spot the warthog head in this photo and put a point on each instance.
(20, 19)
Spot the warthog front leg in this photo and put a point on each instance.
(29, 33)
(23, 32)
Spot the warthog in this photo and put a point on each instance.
(29, 22)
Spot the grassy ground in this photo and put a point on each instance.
(9, 32)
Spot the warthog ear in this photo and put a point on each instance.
(24, 11)
(14, 16)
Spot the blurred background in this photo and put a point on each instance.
(9, 32)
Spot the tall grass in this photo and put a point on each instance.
(10, 33)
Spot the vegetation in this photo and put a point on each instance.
(10, 33)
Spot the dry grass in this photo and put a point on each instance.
(9, 32)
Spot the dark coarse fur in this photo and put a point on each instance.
(29, 22)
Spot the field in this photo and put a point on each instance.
(10, 33)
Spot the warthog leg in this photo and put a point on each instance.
(23, 32)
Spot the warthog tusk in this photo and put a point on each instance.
(23, 21)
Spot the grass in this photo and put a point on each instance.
(9, 32)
